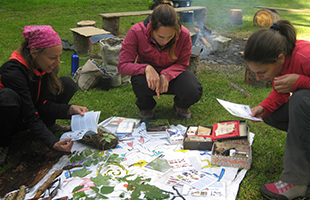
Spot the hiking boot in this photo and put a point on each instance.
(146, 114)
(3, 154)
(183, 113)
(283, 191)
(59, 128)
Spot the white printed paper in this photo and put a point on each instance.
(239, 110)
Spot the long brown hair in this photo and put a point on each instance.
(265, 45)
(165, 15)
(53, 82)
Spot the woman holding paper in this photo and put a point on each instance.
(276, 55)
(156, 54)
(31, 95)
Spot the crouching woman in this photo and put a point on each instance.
(31, 95)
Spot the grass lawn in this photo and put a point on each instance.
(269, 143)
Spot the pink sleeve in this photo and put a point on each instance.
(128, 54)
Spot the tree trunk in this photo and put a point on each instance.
(86, 23)
(235, 16)
(266, 17)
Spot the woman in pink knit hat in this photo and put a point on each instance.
(31, 95)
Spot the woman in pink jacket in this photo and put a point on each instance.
(274, 54)
(157, 56)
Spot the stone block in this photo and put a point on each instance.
(221, 43)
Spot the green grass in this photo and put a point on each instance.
(269, 143)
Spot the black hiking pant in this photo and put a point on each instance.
(10, 112)
(186, 88)
(294, 117)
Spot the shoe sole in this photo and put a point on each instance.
(145, 118)
(184, 117)
(270, 195)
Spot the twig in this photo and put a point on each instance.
(241, 90)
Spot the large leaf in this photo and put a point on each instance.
(81, 173)
(100, 180)
(77, 188)
(106, 189)
(79, 195)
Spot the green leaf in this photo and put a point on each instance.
(79, 195)
(114, 156)
(122, 195)
(86, 164)
(95, 189)
(81, 173)
(88, 152)
(147, 179)
(102, 196)
(90, 160)
(79, 157)
(135, 194)
(96, 155)
(106, 189)
(100, 180)
(111, 136)
(77, 188)
(72, 160)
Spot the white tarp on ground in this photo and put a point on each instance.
(143, 147)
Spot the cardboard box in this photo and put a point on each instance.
(195, 139)
(239, 155)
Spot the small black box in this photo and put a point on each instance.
(198, 138)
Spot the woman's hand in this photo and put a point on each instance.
(258, 112)
(63, 145)
(285, 83)
(152, 78)
(74, 109)
(164, 84)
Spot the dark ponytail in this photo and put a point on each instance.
(265, 45)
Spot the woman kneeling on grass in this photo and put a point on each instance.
(31, 95)
(157, 56)
(274, 54)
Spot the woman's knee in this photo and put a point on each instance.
(9, 97)
(69, 84)
(300, 100)
(139, 85)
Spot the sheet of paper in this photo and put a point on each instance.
(239, 110)
(88, 121)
